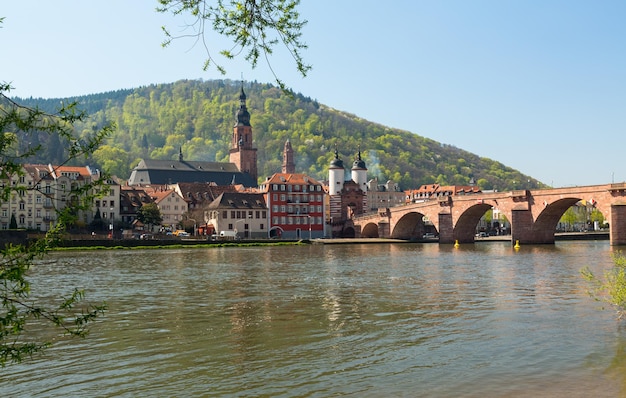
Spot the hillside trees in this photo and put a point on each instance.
(148, 115)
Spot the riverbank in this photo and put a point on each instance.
(96, 243)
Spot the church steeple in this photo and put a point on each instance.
(243, 116)
(242, 153)
(289, 166)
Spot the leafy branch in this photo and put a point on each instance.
(256, 27)
(611, 288)
(17, 310)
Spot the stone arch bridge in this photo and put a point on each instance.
(533, 214)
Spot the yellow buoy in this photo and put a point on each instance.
(456, 243)
(517, 246)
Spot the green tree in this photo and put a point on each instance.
(17, 307)
(569, 217)
(256, 27)
(112, 159)
(149, 214)
(611, 288)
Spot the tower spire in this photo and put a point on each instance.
(289, 166)
(242, 152)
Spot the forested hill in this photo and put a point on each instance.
(155, 121)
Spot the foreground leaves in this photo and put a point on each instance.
(611, 288)
(22, 318)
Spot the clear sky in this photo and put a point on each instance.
(538, 85)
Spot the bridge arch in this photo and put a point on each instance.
(370, 230)
(465, 227)
(410, 227)
(549, 217)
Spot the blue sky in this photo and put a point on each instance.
(539, 86)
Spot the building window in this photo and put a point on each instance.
(275, 197)
(275, 208)
(264, 214)
(225, 214)
(261, 226)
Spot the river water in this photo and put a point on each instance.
(362, 320)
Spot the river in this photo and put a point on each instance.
(362, 320)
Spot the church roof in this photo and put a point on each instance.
(153, 171)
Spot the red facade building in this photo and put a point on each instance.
(296, 206)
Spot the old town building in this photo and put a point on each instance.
(241, 215)
(296, 206)
(40, 192)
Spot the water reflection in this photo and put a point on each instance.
(358, 320)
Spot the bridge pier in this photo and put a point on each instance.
(523, 229)
(617, 224)
(446, 228)
(384, 230)
(521, 226)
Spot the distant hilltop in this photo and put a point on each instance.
(197, 118)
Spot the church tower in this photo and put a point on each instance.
(242, 154)
(289, 166)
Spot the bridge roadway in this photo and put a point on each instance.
(533, 214)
